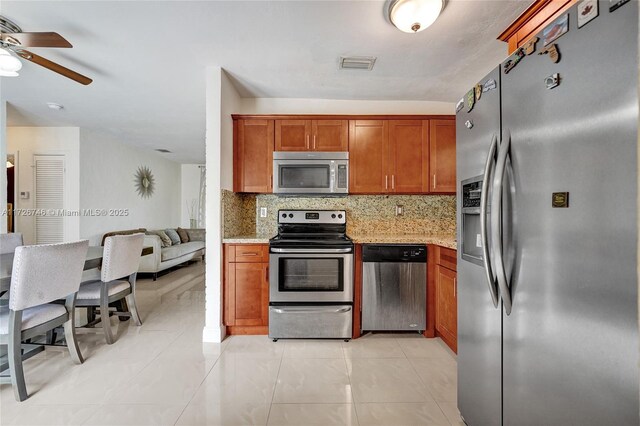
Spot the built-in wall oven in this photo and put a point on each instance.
(311, 276)
(311, 173)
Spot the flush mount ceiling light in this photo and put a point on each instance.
(412, 16)
(55, 106)
(9, 64)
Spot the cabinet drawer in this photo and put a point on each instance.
(247, 253)
(447, 258)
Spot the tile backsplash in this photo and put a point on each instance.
(366, 214)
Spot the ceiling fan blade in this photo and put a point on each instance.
(35, 39)
(36, 59)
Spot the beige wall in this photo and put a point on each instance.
(3, 165)
(25, 142)
(335, 106)
(107, 170)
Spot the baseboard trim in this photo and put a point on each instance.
(214, 334)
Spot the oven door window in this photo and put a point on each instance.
(311, 274)
(304, 176)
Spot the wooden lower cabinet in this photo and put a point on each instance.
(246, 288)
(447, 306)
(442, 268)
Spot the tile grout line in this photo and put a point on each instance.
(353, 399)
(273, 394)
(203, 380)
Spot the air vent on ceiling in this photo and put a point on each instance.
(163, 150)
(357, 62)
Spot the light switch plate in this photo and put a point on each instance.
(399, 210)
(263, 212)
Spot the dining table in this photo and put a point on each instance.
(92, 260)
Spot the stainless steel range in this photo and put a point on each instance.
(311, 276)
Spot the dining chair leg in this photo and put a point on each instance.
(133, 308)
(104, 315)
(70, 331)
(15, 356)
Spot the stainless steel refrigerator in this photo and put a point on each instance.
(547, 229)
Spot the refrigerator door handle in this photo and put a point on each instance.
(484, 194)
(496, 231)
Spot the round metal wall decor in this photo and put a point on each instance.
(145, 182)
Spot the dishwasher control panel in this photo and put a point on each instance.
(394, 253)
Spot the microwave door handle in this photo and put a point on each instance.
(332, 178)
(484, 195)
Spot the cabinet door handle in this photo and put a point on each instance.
(266, 275)
(434, 181)
(249, 254)
(386, 181)
(314, 142)
(393, 181)
(307, 143)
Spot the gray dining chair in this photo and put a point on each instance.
(41, 274)
(120, 262)
(9, 242)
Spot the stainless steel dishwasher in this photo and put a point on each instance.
(394, 287)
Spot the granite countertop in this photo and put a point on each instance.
(440, 240)
(246, 239)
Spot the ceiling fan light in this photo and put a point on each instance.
(412, 16)
(9, 65)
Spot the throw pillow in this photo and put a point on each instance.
(164, 238)
(173, 235)
(184, 237)
(196, 234)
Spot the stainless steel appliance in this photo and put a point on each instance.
(311, 173)
(394, 287)
(311, 276)
(547, 214)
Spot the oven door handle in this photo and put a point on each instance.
(311, 310)
(319, 251)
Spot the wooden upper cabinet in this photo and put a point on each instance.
(409, 156)
(442, 156)
(253, 155)
(537, 16)
(368, 156)
(330, 135)
(293, 135)
(312, 135)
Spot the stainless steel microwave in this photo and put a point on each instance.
(311, 173)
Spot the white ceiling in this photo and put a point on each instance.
(148, 60)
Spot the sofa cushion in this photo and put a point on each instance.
(184, 237)
(196, 234)
(175, 238)
(127, 232)
(166, 241)
(173, 252)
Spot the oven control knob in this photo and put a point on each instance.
(290, 215)
(284, 215)
(333, 216)
(340, 216)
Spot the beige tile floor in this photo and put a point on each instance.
(162, 374)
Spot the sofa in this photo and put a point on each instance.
(166, 256)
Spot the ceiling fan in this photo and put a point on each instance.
(13, 40)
